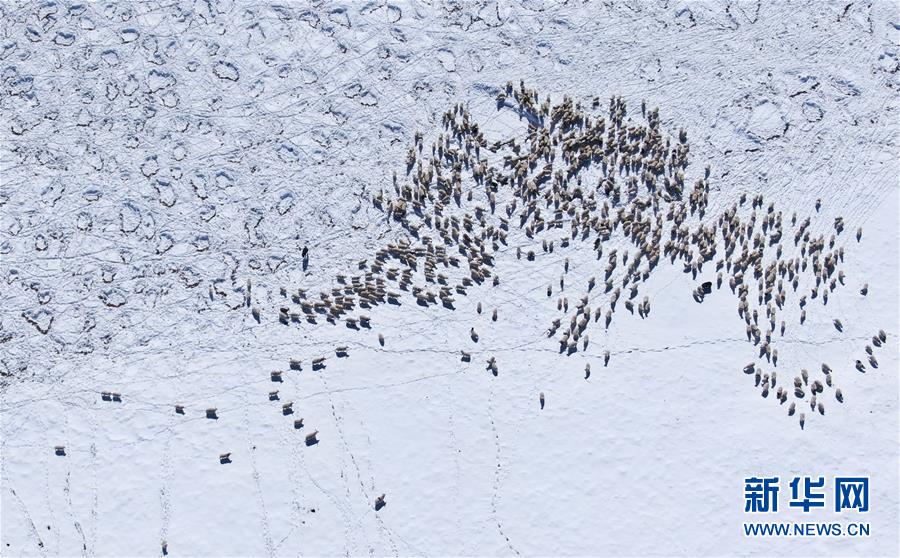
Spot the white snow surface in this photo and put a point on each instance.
(157, 156)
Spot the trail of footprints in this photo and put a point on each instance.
(580, 180)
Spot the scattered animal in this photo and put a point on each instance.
(311, 438)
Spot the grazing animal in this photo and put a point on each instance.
(641, 197)
(492, 366)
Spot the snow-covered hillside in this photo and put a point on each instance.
(464, 278)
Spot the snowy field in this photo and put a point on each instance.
(198, 200)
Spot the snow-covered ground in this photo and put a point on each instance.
(165, 164)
